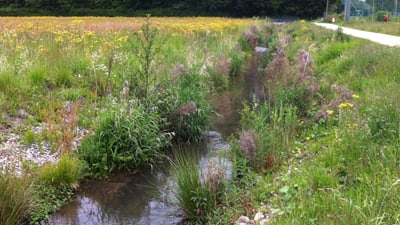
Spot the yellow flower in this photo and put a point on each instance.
(355, 96)
(330, 112)
(345, 104)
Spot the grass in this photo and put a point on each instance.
(16, 198)
(331, 130)
(392, 27)
(342, 162)
(73, 73)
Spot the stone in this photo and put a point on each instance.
(258, 216)
(243, 219)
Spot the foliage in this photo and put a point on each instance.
(145, 48)
(184, 8)
(16, 198)
(342, 167)
(198, 189)
(272, 135)
(48, 200)
(124, 139)
(64, 173)
(379, 15)
(192, 87)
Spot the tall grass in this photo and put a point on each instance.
(16, 198)
(342, 164)
(199, 189)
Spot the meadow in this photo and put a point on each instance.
(322, 149)
(134, 85)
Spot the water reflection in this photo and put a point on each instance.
(147, 198)
(125, 199)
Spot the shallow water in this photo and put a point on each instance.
(148, 198)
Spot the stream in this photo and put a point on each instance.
(147, 198)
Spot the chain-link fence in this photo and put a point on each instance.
(363, 8)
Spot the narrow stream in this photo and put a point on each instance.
(147, 198)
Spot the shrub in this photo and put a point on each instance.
(16, 199)
(192, 88)
(124, 139)
(379, 15)
(9, 83)
(237, 64)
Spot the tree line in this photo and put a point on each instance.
(237, 8)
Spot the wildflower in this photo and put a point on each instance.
(308, 138)
(329, 112)
(355, 96)
(345, 105)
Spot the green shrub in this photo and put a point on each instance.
(379, 15)
(16, 198)
(274, 129)
(237, 63)
(63, 77)
(124, 139)
(192, 87)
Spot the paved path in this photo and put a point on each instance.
(384, 39)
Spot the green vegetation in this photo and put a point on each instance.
(200, 187)
(238, 8)
(16, 199)
(133, 92)
(124, 139)
(322, 150)
(336, 159)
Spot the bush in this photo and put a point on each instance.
(379, 15)
(125, 139)
(192, 88)
(16, 199)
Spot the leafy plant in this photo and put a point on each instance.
(146, 48)
(124, 139)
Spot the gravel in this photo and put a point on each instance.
(14, 154)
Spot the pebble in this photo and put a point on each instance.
(14, 154)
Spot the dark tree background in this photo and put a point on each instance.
(237, 8)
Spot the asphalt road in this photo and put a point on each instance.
(384, 39)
